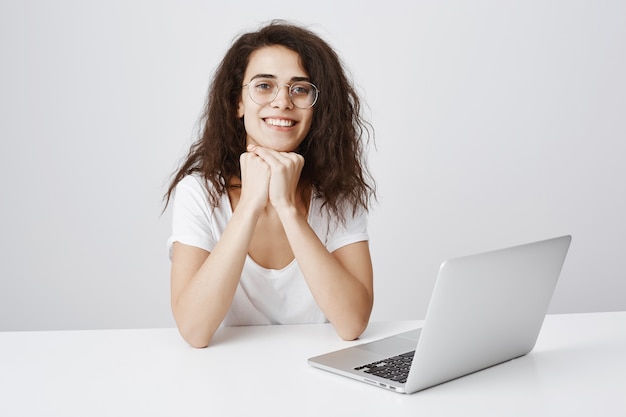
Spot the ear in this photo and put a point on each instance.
(240, 109)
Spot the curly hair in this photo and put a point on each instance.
(333, 149)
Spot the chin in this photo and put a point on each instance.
(278, 144)
(281, 147)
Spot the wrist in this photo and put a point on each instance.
(248, 209)
(288, 212)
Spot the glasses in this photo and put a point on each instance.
(263, 91)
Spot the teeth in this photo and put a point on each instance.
(280, 122)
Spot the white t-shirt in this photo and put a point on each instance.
(263, 296)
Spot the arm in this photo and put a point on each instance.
(203, 284)
(341, 282)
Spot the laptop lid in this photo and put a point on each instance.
(485, 309)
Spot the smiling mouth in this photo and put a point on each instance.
(280, 122)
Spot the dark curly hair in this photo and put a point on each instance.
(333, 149)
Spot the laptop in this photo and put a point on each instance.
(486, 309)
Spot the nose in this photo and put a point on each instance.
(282, 99)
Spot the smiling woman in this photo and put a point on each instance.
(270, 206)
(269, 111)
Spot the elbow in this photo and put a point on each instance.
(197, 335)
(353, 330)
(198, 344)
(196, 339)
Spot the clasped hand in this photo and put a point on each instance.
(270, 176)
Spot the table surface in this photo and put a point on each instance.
(578, 368)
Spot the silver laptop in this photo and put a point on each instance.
(485, 309)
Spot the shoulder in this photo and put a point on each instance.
(194, 185)
(335, 231)
(346, 213)
(195, 221)
(193, 182)
(194, 193)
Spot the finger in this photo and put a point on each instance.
(294, 157)
(273, 157)
(268, 155)
(253, 164)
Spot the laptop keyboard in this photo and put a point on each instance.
(395, 368)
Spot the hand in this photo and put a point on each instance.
(255, 180)
(285, 168)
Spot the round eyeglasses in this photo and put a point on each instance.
(263, 91)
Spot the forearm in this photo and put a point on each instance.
(343, 297)
(203, 301)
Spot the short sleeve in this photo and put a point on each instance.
(191, 216)
(353, 230)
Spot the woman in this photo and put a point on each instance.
(269, 217)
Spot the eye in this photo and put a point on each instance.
(301, 89)
(264, 86)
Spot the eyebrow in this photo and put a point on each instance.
(273, 77)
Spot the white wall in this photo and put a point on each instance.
(496, 123)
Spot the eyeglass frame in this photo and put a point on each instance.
(277, 89)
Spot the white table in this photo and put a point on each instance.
(578, 368)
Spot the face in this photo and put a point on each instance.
(278, 125)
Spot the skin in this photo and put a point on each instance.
(269, 223)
